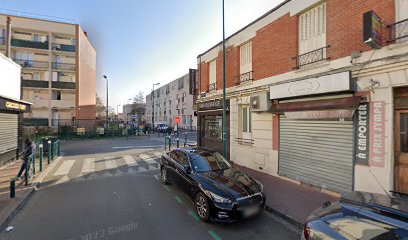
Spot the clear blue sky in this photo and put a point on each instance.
(139, 43)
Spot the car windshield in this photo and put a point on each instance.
(208, 161)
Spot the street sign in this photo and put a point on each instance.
(177, 119)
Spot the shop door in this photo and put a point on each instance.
(401, 151)
(8, 132)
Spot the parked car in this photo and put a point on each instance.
(163, 128)
(220, 191)
(359, 215)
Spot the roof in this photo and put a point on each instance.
(250, 24)
(14, 99)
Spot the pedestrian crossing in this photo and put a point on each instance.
(70, 170)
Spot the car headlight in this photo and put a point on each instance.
(218, 199)
(260, 185)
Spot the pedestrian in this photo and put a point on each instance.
(28, 150)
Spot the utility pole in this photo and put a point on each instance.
(107, 102)
(224, 101)
(153, 104)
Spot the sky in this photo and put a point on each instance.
(139, 43)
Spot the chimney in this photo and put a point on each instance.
(8, 37)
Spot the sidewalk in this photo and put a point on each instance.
(289, 200)
(8, 206)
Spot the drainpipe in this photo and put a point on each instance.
(8, 37)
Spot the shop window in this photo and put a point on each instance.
(246, 122)
(213, 127)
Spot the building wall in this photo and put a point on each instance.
(86, 78)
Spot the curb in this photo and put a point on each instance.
(285, 217)
(11, 213)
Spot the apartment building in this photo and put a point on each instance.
(171, 100)
(317, 93)
(58, 68)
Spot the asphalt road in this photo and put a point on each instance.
(118, 195)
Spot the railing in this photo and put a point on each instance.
(311, 57)
(64, 66)
(212, 87)
(63, 47)
(31, 63)
(244, 77)
(37, 122)
(398, 30)
(63, 85)
(245, 141)
(28, 44)
(35, 83)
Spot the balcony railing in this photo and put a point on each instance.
(212, 87)
(35, 83)
(29, 44)
(245, 77)
(64, 66)
(398, 30)
(63, 85)
(2, 41)
(311, 57)
(63, 47)
(31, 64)
(35, 122)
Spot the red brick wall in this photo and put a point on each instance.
(86, 112)
(345, 24)
(204, 73)
(274, 47)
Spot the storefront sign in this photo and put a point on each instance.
(377, 134)
(372, 30)
(11, 105)
(339, 82)
(212, 105)
(16, 106)
(362, 123)
(193, 81)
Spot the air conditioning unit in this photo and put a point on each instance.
(260, 102)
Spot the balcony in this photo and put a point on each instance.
(314, 56)
(212, 87)
(63, 85)
(64, 66)
(64, 104)
(398, 30)
(38, 122)
(32, 64)
(34, 84)
(63, 47)
(28, 44)
(244, 78)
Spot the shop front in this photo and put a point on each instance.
(210, 125)
(317, 130)
(11, 111)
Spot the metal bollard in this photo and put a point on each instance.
(59, 148)
(185, 139)
(41, 156)
(178, 142)
(12, 188)
(26, 171)
(49, 152)
(169, 143)
(165, 143)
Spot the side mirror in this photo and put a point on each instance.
(187, 169)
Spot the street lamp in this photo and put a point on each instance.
(127, 112)
(107, 101)
(155, 84)
(224, 101)
(117, 111)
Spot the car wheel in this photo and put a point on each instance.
(202, 207)
(163, 174)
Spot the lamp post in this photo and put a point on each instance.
(127, 112)
(224, 101)
(155, 84)
(107, 101)
(117, 111)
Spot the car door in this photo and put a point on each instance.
(171, 166)
(184, 179)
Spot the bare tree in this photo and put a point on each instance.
(139, 98)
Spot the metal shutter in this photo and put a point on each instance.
(8, 132)
(317, 152)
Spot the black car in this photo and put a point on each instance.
(220, 191)
(359, 215)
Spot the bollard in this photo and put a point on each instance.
(12, 188)
(158, 133)
(148, 135)
(26, 171)
(169, 143)
(185, 139)
(165, 143)
(41, 156)
(49, 152)
(59, 148)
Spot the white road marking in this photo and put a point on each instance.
(130, 161)
(152, 167)
(141, 169)
(159, 154)
(89, 165)
(131, 171)
(144, 156)
(110, 163)
(62, 180)
(64, 168)
(127, 147)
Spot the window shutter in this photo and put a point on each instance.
(312, 29)
(246, 58)
(213, 72)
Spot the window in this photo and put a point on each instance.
(180, 157)
(208, 161)
(312, 29)
(181, 83)
(213, 75)
(245, 58)
(56, 95)
(246, 122)
(213, 127)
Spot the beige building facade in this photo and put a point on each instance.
(58, 68)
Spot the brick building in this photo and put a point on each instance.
(315, 94)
